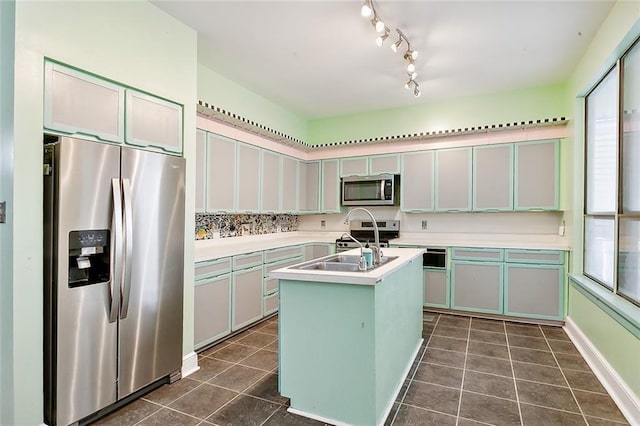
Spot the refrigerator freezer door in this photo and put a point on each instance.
(151, 323)
(84, 353)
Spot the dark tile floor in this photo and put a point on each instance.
(469, 372)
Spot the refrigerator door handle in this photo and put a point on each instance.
(128, 257)
(116, 278)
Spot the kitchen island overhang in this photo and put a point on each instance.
(347, 340)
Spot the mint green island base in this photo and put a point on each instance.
(345, 349)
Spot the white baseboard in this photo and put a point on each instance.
(627, 401)
(190, 364)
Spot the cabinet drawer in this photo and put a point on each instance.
(275, 255)
(549, 257)
(463, 253)
(270, 286)
(271, 303)
(243, 261)
(211, 268)
(268, 267)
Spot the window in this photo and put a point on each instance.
(612, 179)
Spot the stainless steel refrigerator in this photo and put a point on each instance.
(114, 242)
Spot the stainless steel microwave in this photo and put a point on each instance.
(379, 190)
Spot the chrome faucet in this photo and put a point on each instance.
(362, 264)
(377, 252)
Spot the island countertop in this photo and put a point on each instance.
(370, 277)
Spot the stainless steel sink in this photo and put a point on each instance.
(341, 262)
(331, 266)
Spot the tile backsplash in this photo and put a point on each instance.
(210, 226)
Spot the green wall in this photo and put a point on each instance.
(507, 107)
(230, 96)
(134, 43)
(619, 346)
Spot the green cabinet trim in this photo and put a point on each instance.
(536, 297)
(434, 291)
(479, 254)
(474, 283)
(211, 321)
(453, 178)
(487, 181)
(330, 184)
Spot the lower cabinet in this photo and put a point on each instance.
(436, 288)
(246, 297)
(534, 284)
(515, 282)
(316, 250)
(212, 309)
(476, 286)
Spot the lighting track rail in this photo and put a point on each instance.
(368, 10)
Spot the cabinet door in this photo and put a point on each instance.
(534, 291)
(247, 297)
(153, 122)
(453, 179)
(308, 188)
(493, 177)
(379, 164)
(314, 251)
(537, 175)
(271, 181)
(248, 175)
(212, 310)
(357, 166)
(201, 169)
(476, 286)
(221, 174)
(330, 187)
(416, 184)
(289, 185)
(75, 102)
(436, 288)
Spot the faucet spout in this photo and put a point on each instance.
(377, 253)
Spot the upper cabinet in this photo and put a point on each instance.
(371, 165)
(330, 187)
(379, 164)
(416, 185)
(221, 174)
(78, 103)
(537, 172)
(453, 180)
(271, 181)
(153, 122)
(309, 187)
(493, 177)
(355, 166)
(289, 184)
(248, 178)
(201, 170)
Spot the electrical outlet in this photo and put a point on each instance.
(424, 224)
(323, 224)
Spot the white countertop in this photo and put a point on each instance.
(221, 247)
(371, 277)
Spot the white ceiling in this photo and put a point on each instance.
(319, 58)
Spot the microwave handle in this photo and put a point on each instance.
(382, 195)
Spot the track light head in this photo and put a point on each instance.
(366, 10)
(401, 37)
(380, 26)
(381, 38)
(416, 90)
(409, 84)
(411, 67)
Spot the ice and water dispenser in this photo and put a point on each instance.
(89, 257)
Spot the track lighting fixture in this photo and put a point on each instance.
(368, 10)
(381, 38)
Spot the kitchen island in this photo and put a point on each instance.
(348, 339)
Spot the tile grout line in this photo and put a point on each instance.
(426, 346)
(464, 371)
(513, 372)
(584, 417)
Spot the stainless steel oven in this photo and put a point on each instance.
(362, 230)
